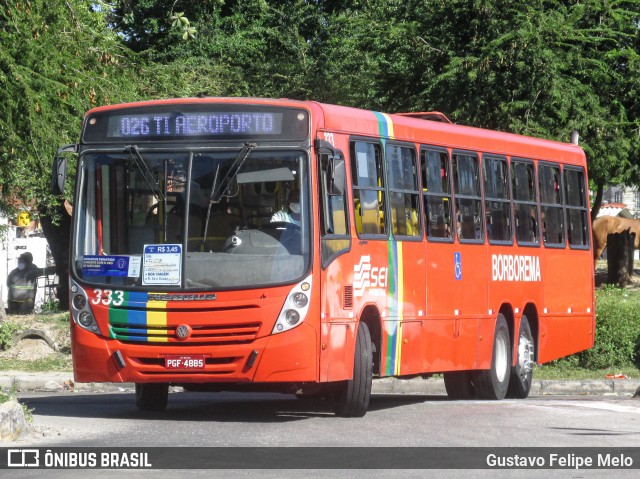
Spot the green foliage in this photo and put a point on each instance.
(617, 342)
(7, 330)
(58, 59)
(52, 363)
(49, 307)
(565, 372)
(541, 67)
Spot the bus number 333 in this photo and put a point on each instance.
(108, 297)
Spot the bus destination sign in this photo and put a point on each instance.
(195, 123)
(170, 125)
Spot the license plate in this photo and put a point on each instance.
(184, 362)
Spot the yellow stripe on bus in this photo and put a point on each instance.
(157, 320)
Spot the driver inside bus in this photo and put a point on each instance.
(292, 213)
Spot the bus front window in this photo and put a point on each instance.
(212, 211)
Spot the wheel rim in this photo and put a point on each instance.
(525, 356)
(502, 360)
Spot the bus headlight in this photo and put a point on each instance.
(79, 301)
(300, 300)
(294, 310)
(81, 311)
(85, 319)
(292, 317)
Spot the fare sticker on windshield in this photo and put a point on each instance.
(162, 264)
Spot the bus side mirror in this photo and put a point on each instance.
(335, 168)
(337, 177)
(58, 175)
(59, 171)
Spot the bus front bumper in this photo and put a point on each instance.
(289, 357)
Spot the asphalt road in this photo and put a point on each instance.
(252, 419)
(271, 420)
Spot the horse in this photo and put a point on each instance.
(606, 225)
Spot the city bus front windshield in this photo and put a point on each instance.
(197, 221)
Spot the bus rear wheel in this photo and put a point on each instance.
(522, 372)
(351, 398)
(494, 383)
(152, 397)
(459, 385)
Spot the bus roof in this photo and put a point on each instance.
(202, 100)
(405, 127)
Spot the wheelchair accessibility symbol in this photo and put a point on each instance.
(457, 261)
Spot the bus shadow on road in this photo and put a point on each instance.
(221, 407)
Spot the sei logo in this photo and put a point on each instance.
(368, 277)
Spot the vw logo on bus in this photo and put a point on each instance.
(183, 331)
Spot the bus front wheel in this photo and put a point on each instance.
(522, 372)
(351, 398)
(152, 397)
(493, 383)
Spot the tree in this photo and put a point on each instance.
(542, 68)
(259, 48)
(58, 59)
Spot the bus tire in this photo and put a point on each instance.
(522, 372)
(493, 383)
(351, 398)
(152, 396)
(459, 385)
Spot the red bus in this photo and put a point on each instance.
(277, 245)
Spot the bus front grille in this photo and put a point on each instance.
(235, 333)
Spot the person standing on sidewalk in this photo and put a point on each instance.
(22, 283)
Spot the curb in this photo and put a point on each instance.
(539, 387)
(56, 382)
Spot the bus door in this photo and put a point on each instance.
(336, 277)
(456, 262)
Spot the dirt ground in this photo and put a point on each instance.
(602, 274)
(41, 339)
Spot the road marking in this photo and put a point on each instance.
(602, 405)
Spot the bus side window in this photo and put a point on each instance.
(525, 201)
(551, 205)
(576, 207)
(368, 188)
(468, 201)
(497, 199)
(436, 193)
(403, 190)
(333, 208)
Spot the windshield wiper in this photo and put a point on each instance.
(232, 172)
(218, 188)
(146, 172)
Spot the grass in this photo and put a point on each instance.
(559, 372)
(57, 362)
